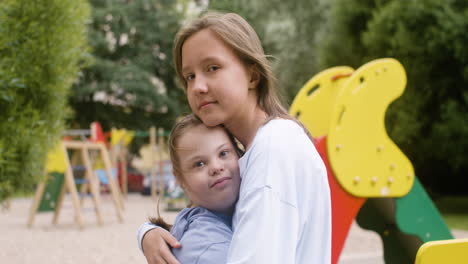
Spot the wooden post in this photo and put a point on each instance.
(59, 203)
(161, 161)
(115, 191)
(123, 163)
(119, 153)
(153, 160)
(70, 185)
(83, 190)
(115, 150)
(93, 183)
(37, 200)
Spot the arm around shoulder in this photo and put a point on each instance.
(155, 243)
(142, 230)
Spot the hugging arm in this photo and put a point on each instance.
(155, 242)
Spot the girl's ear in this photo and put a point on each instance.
(177, 177)
(254, 77)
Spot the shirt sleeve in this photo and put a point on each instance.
(214, 254)
(144, 228)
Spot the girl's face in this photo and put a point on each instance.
(209, 167)
(219, 86)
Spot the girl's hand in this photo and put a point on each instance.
(156, 244)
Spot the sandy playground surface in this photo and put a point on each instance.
(115, 242)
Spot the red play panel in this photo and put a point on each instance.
(344, 206)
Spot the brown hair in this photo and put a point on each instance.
(238, 35)
(181, 127)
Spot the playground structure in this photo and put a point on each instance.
(371, 180)
(102, 167)
(442, 251)
(60, 180)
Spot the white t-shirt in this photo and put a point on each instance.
(284, 211)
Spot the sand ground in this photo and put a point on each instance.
(115, 242)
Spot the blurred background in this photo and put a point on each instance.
(67, 63)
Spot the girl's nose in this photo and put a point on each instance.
(216, 168)
(199, 85)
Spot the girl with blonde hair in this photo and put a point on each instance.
(283, 213)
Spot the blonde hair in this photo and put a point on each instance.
(238, 35)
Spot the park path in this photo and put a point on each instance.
(115, 242)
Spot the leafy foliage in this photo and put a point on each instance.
(132, 82)
(42, 48)
(429, 37)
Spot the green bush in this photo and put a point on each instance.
(429, 38)
(42, 48)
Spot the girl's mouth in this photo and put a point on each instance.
(220, 182)
(206, 104)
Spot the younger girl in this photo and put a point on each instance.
(205, 164)
(283, 213)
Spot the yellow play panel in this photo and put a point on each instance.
(314, 102)
(56, 159)
(121, 136)
(453, 251)
(366, 162)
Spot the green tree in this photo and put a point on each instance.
(429, 37)
(132, 82)
(42, 48)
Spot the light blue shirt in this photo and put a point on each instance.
(205, 236)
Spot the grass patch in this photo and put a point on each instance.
(454, 210)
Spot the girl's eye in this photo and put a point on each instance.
(198, 164)
(213, 68)
(189, 77)
(223, 153)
